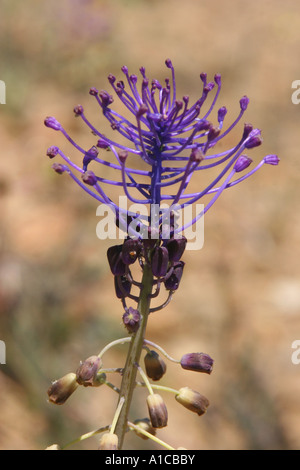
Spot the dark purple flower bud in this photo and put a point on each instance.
(93, 91)
(247, 129)
(111, 79)
(192, 400)
(89, 178)
(59, 168)
(133, 78)
(271, 159)
(213, 133)
(197, 362)
(218, 79)
(157, 411)
(196, 155)
(123, 154)
(159, 261)
(52, 123)
(144, 425)
(114, 256)
(204, 125)
(132, 320)
(221, 114)
(244, 101)
(52, 151)
(78, 110)
(253, 141)
(102, 144)
(124, 69)
(242, 163)
(62, 389)
(87, 372)
(168, 63)
(122, 286)
(106, 98)
(90, 155)
(203, 77)
(142, 110)
(131, 250)
(173, 278)
(176, 247)
(155, 366)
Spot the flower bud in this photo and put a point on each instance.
(131, 250)
(198, 362)
(122, 286)
(155, 366)
(50, 121)
(62, 389)
(176, 247)
(131, 320)
(192, 400)
(271, 159)
(159, 262)
(144, 425)
(114, 256)
(173, 278)
(108, 442)
(242, 163)
(87, 371)
(157, 411)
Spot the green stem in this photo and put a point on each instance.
(134, 354)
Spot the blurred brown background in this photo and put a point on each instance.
(240, 295)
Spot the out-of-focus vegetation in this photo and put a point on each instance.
(239, 299)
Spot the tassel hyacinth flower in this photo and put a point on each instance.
(165, 143)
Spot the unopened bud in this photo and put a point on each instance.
(157, 411)
(198, 362)
(192, 400)
(144, 425)
(155, 366)
(62, 389)
(108, 442)
(87, 372)
(159, 262)
(176, 247)
(114, 256)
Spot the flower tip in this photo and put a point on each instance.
(51, 122)
(52, 151)
(59, 168)
(168, 63)
(244, 101)
(271, 159)
(78, 110)
(242, 163)
(93, 91)
(217, 78)
(123, 154)
(89, 178)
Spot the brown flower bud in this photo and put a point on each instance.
(87, 371)
(62, 389)
(144, 425)
(192, 400)
(108, 441)
(157, 411)
(155, 366)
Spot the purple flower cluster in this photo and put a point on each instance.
(174, 138)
